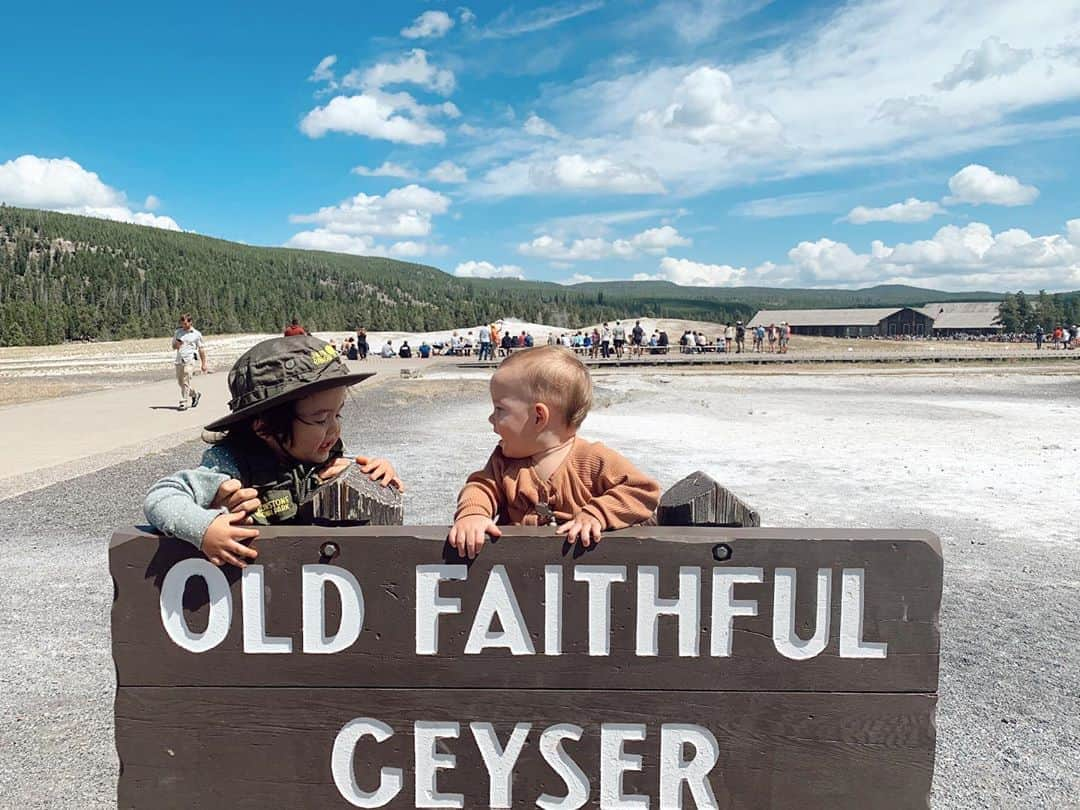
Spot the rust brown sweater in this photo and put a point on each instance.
(592, 478)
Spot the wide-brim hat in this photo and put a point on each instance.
(280, 370)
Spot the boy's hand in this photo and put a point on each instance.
(468, 534)
(584, 527)
(334, 468)
(235, 497)
(381, 471)
(221, 543)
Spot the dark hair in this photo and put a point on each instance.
(277, 423)
(295, 321)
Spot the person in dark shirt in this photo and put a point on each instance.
(405, 351)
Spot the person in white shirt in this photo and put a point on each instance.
(485, 343)
(188, 343)
(387, 350)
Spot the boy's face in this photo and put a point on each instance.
(317, 425)
(513, 416)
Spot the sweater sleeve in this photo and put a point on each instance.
(482, 493)
(179, 504)
(625, 495)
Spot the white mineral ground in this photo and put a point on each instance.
(986, 457)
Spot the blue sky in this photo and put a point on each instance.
(708, 142)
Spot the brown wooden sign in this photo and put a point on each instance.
(668, 667)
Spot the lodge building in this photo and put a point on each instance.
(932, 320)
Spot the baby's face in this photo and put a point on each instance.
(513, 416)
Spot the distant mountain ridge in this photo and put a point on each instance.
(66, 277)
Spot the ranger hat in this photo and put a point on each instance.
(280, 370)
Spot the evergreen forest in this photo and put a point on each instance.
(66, 277)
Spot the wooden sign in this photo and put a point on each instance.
(667, 667)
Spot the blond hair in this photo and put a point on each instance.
(555, 376)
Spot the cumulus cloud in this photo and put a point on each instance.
(968, 257)
(695, 274)
(61, 184)
(577, 278)
(535, 125)
(992, 58)
(910, 210)
(350, 227)
(704, 110)
(577, 172)
(466, 15)
(975, 185)
(474, 269)
(386, 169)
(654, 241)
(324, 71)
(432, 24)
(413, 68)
(152, 203)
(393, 117)
(448, 172)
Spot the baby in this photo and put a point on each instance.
(541, 472)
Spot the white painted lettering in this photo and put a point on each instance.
(577, 784)
(429, 762)
(499, 761)
(553, 582)
(785, 639)
(498, 601)
(252, 591)
(172, 605)
(675, 769)
(314, 579)
(615, 761)
(341, 764)
(600, 578)
(430, 605)
(650, 607)
(851, 618)
(725, 608)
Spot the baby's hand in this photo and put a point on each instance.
(334, 468)
(235, 497)
(220, 543)
(583, 526)
(468, 534)
(381, 471)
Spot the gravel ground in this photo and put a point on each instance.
(988, 461)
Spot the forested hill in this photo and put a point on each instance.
(68, 277)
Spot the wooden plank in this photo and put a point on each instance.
(698, 500)
(903, 573)
(267, 748)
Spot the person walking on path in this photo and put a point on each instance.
(188, 343)
(740, 337)
(729, 338)
(1040, 335)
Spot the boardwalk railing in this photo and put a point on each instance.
(668, 667)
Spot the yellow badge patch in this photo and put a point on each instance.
(276, 506)
(324, 355)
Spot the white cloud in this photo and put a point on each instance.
(968, 257)
(654, 241)
(466, 15)
(324, 70)
(975, 184)
(535, 125)
(695, 274)
(429, 24)
(577, 278)
(910, 210)
(474, 269)
(413, 68)
(362, 245)
(402, 212)
(511, 24)
(992, 58)
(393, 117)
(152, 203)
(704, 110)
(61, 184)
(387, 169)
(577, 172)
(789, 205)
(448, 172)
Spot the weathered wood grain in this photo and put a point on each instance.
(903, 589)
(245, 747)
(698, 500)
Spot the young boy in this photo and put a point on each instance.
(541, 472)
